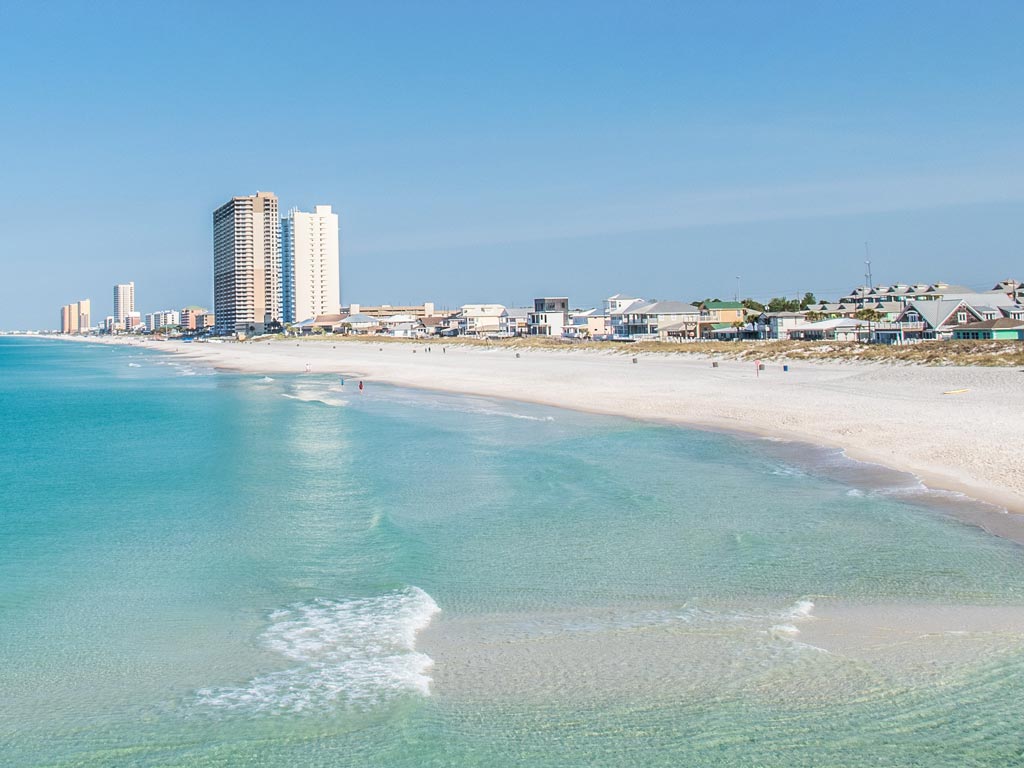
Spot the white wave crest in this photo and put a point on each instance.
(460, 404)
(352, 653)
(507, 414)
(311, 397)
(134, 365)
(787, 471)
(802, 610)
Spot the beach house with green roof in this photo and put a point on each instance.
(1003, 328)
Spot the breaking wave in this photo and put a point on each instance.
(350, 654)
(316, 397)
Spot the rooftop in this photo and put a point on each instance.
(1003, 323)
(663, 308)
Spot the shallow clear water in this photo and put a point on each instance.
(202, 568)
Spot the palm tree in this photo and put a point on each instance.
(870, 315)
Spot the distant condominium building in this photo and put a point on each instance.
(426, 309)
(309, 264)
(76, 318)
(288, 267)
(247, 264)
(69, 319)
(166, 318)
(124, 301)
(190, 316)
(84, 315)
(65, 319)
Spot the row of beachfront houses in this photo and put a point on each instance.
(899, 314)
(992, 314)
(622, 318)
(881, 314)
(903, 293)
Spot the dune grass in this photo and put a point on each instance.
(980, 353)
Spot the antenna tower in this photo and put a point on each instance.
(867, 268)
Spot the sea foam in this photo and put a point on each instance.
(324, 398)
(801, 610)
(351, 654)
(461, 404)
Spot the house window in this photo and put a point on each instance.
(961, 317)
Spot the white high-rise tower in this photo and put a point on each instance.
(124, 301)
(309, 260)
(247, 264)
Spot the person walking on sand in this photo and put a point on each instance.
(308, 367)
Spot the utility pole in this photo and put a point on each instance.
(868, 281)
(737, 296)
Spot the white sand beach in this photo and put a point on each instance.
(956, 428)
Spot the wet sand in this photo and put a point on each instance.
(832, 651)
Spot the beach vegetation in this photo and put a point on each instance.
(986, 353)
(868, 314)
(784, 304)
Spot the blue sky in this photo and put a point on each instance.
(493, 152)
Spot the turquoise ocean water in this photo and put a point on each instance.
(215, 569)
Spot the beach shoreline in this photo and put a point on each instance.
(392, 559)
(956, 429)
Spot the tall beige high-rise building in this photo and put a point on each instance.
(309, 258)
(75, 318)
(247, 264)
(69, 318)
(84, 315)
(124, 301)
(190, 316)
